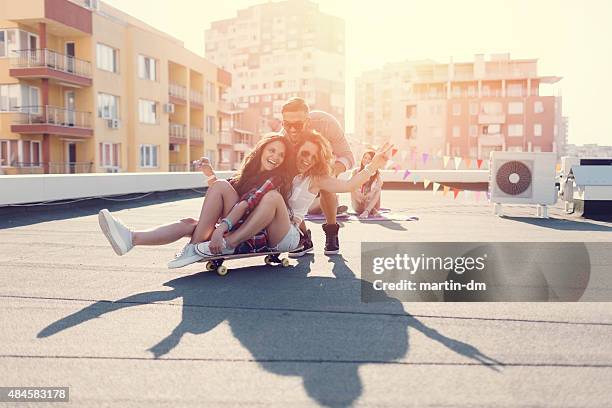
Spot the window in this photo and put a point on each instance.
(515, 108)
(19, 98)
(537, 129)
(8, 152)
(471, 91)
(456, 109)
(210, 91)
(15, 40)
(538, 107)
(109, 154)
(211, 156)
(25, 153)
(147, 111)
(491, 108)
(410, 132)
(473, 130)
(473, 108)
(148, 156)
(486, 90)
(108, 106)
(456, 131)
(515, 90)
(147, 68)
(515, 130)
(210, 125)
(31, 151)
(107, 58)
(456, 91)
(491, 129)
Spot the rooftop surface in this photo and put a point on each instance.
(127, 331)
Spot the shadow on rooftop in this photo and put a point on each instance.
(292, 324)
(18, 216)
(562, 224)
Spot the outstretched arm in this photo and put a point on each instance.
(334, 185)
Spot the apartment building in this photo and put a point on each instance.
(460, 109)
(588, 150)
(277, 50)
(85, 87)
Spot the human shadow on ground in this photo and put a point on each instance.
(292, 324)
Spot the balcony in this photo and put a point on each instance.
(196, 99)
(174, 167)
(491, 140)
(54, 167)
(196, 136)
(45, 63)
(488, 119)
(225, 138)
(177, 133)
(177, 93)
(52, 120)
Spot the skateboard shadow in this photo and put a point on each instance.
(292, 324)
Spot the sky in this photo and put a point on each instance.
(570, 39)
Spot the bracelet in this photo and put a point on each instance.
(228, 223)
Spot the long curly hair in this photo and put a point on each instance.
(249, 175)
(323, 160)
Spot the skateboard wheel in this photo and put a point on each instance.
(210, 266)
(222, 270)
(268, 260)
(285, 262)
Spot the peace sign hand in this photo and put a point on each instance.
(383, 154)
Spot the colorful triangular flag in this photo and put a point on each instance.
(457, 162)
(425, 157)
(446, 159)
(456, 192)
(446, 190)
(436, 187)
(468, 163)
(479, 163)
(406, 174)
(426, 183)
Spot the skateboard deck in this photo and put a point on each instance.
(215, 263)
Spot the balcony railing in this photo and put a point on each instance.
(196, 97)
(178, 167)
(178, 131)
(225, 137)
(52, 115)
(196, 133)
(45, 58)
(176, 90)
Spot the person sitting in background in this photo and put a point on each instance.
(366, 199)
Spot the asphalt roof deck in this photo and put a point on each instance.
(127, 331)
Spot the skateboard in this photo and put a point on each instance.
(215, 263)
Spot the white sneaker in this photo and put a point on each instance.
(184, 257)
(203, 248)
(119, 236)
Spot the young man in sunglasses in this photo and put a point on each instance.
(297, 118)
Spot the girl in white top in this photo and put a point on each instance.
(313, 162)
(366, 198)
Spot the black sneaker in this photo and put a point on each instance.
(305, 246)
(332, 245)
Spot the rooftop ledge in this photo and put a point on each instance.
(22, 189)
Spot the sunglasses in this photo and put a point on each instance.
(293, 125)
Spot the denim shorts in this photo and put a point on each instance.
(290, 241)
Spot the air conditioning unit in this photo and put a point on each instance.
(174, 147)
(168, 107)
(113, 123)
(523, 178)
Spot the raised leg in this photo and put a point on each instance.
(165, 234)
(219, 200)
(271, 214)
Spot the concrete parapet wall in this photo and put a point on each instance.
(52, 187)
